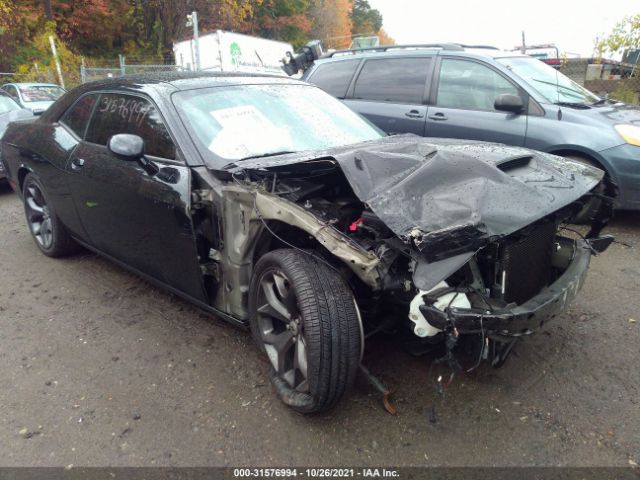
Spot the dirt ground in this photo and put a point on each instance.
(99, 368)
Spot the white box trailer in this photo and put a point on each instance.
(231, 52)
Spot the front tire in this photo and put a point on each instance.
(47, 230)
(304, 317)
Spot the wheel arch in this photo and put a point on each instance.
(22, 175)
(573, 151)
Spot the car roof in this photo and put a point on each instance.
(164, 83)
(186, 80)
(479, 51)
(32, 84)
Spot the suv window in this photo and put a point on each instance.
(334, 77)
(77, 117)
(118, 113)
(470, 85)
(400, 80)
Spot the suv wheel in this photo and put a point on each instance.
(304, 317)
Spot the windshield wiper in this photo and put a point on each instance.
(270, 154)
(573, 104)
(602, 101)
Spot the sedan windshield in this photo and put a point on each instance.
(41, 93)
(551, 84)
(7, 104)
(248, 121)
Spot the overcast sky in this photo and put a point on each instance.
(572, 25)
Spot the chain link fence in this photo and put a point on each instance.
(125, 66)
(44, 75)
(603, 77)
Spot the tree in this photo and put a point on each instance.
(364, 19)
(331, 22)
(624, 36)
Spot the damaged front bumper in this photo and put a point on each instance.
(519, 319)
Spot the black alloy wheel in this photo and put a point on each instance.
(304, 316)
(47, 230)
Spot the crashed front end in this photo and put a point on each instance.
(442, 238)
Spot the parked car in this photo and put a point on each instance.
(268, 203)
(36, 97)
(483, 93)
(10, 111)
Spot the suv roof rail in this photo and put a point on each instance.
(385, 48)
(487, 47)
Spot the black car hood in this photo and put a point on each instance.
(450, 196)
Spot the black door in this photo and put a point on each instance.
(140, 219)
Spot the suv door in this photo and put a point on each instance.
(135, 217)
(463, 104)
(390, 92)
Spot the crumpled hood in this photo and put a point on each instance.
(449, 196)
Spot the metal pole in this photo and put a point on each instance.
(57, 60)
(123, 68)
(83, 74)
(524, 45)
(196, 43)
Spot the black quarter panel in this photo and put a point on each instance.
(43, 148)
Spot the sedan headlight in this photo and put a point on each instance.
(630, 133)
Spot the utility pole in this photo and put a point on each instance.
(524, 44)
(192, 20)
(123, 68)
(57, 60)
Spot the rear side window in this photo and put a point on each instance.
(116, 113)
(334, 77)
(400, 80)
(77, 117)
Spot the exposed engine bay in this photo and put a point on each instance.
(437, 272)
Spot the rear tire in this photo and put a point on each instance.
(304, 317)
(47, 230)
(593, 205)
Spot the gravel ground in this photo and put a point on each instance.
(99, 368)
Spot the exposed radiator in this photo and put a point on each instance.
(525, 264)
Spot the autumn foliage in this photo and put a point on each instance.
(146, 29)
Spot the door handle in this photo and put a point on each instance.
(439, 116)
(77, 163)
(414, 114)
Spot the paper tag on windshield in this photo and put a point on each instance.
(244, 117)
(246, 131)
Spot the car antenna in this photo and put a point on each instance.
(558, 96)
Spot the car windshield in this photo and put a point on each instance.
(7, 104)
(551, 84)
(248, 121)
(41, 93)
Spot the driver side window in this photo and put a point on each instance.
(119, 113)
(469, 85)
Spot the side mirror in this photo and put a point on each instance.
(509, 103)
(128, 147)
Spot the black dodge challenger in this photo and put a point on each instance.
(270, 204)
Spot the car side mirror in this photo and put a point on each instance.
(126, 146)
(509, 103)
